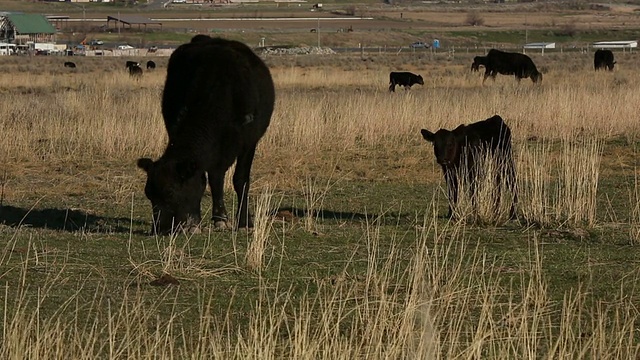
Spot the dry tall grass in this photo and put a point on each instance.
(450, 301)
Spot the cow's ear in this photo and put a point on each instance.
(186, 169)
(427, 135)
(145, 164)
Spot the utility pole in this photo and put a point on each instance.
(526, 30)
(318, 31)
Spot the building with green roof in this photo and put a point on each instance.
(20, 29)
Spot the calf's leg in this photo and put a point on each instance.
(513, 186)
(241, 185)
(452, 188)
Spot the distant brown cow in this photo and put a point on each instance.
(465, 147)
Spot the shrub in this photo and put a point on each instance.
(474, 19)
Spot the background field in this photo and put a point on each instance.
(374, 24)
(351, 255)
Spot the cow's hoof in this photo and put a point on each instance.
(221, 225)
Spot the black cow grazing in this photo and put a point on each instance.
(505, 63)
(151, 65)
(135, 71)
(129, 64)
(405, 79)
(477, 62)
(217, 104)
(70, 64)
(465, 147)
(603, 59)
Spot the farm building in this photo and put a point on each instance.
(21, 29)
(630, 44)
(539, 45)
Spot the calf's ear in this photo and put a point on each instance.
(145, 164)
(427, 135)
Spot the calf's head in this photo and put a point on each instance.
(447, 145)
(419, 80)
(175, 189)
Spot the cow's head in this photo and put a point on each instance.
(475, 66)
(420, 80)
(447, 145)
(536, 77)
(175, 188)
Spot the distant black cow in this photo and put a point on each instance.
(70, 64)
(151, 65)
(464, 147)
(217, 103)
(405, 79)
(505, 63)
(129, 64)
(603, 59)
(477, 61)
(135, 71)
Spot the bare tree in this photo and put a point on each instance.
(474, 19)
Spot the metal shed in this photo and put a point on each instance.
(124, 20)
(615, 44)
(540, 45)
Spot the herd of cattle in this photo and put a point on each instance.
(505, 63)
(217, 104)
(133, 67)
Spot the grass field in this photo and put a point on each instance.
(351, 256)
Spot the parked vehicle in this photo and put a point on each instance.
(420, 45)
(125, 47)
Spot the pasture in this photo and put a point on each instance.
(351, 255)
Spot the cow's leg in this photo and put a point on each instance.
(219, 212)
(487, 73)
(241, 185)
(452, 188)
(497, 192)
(472, 180)
(392, 87)
(512, 184)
